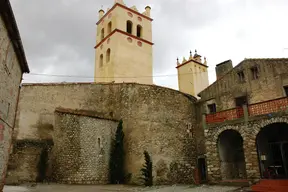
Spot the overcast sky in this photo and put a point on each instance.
(59, 35)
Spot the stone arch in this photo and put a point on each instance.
(228, 127)
(231, 154)
(256, 127)
(272, 147)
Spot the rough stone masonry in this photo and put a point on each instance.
(156, 119)
(12, 65)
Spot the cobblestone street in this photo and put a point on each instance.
(77, 188)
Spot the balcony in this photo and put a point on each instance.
(255, 109)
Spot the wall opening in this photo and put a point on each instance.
(42, 165)
(272, 148)
(212, 108)
(99, 142)
(109, 28)
(254, 72)
(102, 34)
(129, 27)
(139, 31)
(202, 169)
(286, 90)
(231, 153)
(101, 60)
(108, 54)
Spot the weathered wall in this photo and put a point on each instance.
(10, 79)
(82, 149)
(24, 161)
(273, 75)
(155, 119)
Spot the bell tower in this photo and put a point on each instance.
(192, 74)
(124, 45)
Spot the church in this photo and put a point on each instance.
(202, 133)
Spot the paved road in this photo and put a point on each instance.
(77, 188)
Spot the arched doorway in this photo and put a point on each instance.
(231, 153)
(272, 148)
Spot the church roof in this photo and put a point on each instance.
(7, 15)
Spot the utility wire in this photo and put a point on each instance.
(89, 77)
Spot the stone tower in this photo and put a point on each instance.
(192, 74)
(124, 45)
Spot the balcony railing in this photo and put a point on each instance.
(256, 109)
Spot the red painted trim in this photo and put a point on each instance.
(124, 33)
(124, 7)
(189, 62)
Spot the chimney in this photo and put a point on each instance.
(148, 10)
(223, 68)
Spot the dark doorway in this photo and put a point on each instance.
(42, 165)
(272, 147)
(231, 153)
(202, 169)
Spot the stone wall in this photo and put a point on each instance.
(26, 153)
(82, 148)
(249, 133)
(10, 79)
(159, 120)
(273, 75)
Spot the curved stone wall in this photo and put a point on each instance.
(159, 120)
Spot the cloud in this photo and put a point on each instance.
(59, 35)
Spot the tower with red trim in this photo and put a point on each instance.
(124, 45)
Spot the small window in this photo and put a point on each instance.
(286, 90)
(240, 101)
(102, 34)
(254, 72)
(139, 31)
(129, 27)
(108, 53)
(109, 27)
(241, 76)
(212, 108)
(101, 60)
(99, 142)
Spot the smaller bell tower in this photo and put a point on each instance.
(192, 74)
(124, 45)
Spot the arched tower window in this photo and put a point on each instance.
(101, 60)
(102, 34)
(129, 27)
(108, 54)
(109, 27)
(139, 31)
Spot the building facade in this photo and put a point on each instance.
(192, 74)
(124, 45)
(245, 120)
(12, 65)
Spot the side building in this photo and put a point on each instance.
(245, 120)
(12, 65)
